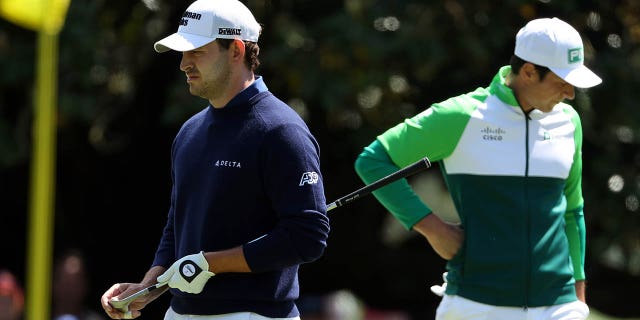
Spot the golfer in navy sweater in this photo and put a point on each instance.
(247, 202)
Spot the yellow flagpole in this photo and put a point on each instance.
(40, 242)
(46, 17)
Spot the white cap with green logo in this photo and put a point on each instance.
(553, 43)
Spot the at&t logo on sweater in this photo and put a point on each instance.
(309, 178)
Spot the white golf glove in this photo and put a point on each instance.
(439, 290)
(188, 274)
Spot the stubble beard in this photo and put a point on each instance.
(215, 86)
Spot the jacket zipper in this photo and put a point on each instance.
(527, 216)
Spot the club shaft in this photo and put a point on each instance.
(156, 286)
(414, 168)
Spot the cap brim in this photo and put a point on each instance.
(181, 42)
(581, 77)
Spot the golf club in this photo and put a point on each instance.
(414, 168)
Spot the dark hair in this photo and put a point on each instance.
(251, 52)
(516, 63)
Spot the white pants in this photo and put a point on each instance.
(458, 308)
(172, 315)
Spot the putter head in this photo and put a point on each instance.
(122, 305)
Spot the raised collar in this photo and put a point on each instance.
(499, 87)
(241, 99)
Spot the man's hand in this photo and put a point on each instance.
(444, 237)
(116, 290)
(581, 290)
(188, 274)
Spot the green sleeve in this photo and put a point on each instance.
(576, 233)
(397, 197)
(574, 218)
(573, 187)
(433, 133)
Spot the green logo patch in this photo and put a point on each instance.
(575, 55)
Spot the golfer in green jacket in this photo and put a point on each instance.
(510, 154)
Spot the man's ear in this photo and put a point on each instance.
(238, 49)
(528, 72)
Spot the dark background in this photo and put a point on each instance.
(352, 69)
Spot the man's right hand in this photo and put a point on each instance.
(115, 291)
(444, 237)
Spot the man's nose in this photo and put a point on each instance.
(185, 64)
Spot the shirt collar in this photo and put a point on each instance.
(247, 93)
(501, 90)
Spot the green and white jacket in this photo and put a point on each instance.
(515, 180)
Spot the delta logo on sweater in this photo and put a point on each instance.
(227, 163)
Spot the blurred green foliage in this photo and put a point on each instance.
(352, 69)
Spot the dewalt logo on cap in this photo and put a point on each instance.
(230, 31)
(575, 55)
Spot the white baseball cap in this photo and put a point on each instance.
(207, 20)
(553, 43)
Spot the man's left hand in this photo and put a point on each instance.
(188, 274)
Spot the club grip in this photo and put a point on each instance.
(414, 168)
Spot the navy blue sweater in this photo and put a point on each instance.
(246, 174)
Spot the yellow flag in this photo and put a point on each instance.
(37, 15)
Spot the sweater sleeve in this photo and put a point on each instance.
(293, 182)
